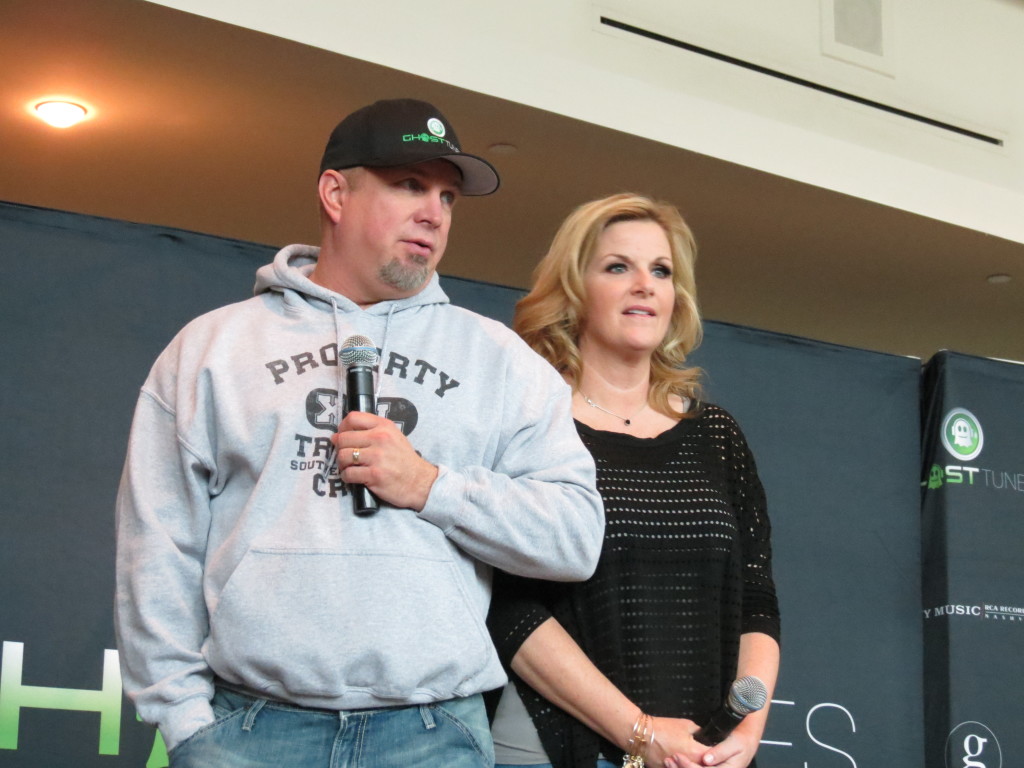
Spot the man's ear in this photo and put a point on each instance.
(332, 188)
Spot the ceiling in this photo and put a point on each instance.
(213, 128)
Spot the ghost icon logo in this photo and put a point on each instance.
(436, 127)
(962, 435)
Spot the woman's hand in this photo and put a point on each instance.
(673, 736)
(736, 751)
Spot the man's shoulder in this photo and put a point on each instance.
(446, 318)
(221, 328)
(225, 315)
(467, 328)
(471, 317)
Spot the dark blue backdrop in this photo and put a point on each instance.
(88, 304)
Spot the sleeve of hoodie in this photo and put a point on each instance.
(536, 512)
(163, 517)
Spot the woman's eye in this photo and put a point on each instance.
(662, 272)
(616, 268)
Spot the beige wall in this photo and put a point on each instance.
(956, 61)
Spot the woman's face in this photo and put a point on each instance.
(630, 295)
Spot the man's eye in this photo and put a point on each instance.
(448, 198)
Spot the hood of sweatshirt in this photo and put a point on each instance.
(290, 271)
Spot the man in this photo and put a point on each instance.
(261, 621)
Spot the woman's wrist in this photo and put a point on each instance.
(641, 738)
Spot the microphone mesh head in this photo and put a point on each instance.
(748, 694)
(359, 350)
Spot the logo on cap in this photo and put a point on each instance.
(436, 127)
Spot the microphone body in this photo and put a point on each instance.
(360, 355)
(719, 726)
(359, 389)
(748, 694)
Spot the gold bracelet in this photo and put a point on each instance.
(637, 744)
(648, 724)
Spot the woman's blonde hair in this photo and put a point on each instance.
(550, 316)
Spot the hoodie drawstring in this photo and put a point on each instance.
(383, 350)
(331, 464)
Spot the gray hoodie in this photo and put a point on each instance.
(238, 553)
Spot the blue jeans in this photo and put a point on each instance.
(256, 733)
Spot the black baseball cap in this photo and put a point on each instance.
(403, 132)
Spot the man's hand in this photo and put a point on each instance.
(372, 451)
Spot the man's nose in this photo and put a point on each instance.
(433, 210)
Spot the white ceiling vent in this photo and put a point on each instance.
(859, 32)
(858, 24)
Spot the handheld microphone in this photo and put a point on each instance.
(748, 694)
(359, 355)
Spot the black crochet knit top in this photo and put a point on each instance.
(684, 571)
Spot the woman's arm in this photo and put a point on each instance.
(556, 667)
(759, 647)
(759, 656)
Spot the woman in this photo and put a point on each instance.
(640, 656)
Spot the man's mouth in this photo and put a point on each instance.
(418, 247)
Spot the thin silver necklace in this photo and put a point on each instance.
(625, 421)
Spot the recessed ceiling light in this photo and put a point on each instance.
(503, 148)
(999, 279)
(60, 114)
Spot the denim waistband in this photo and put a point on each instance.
(231, 689)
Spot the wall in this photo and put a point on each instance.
(954, 61)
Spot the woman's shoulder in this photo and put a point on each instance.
(717, 420)
(708, 411)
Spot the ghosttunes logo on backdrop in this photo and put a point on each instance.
(962, 435)
(963, 438)
(107, 701)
